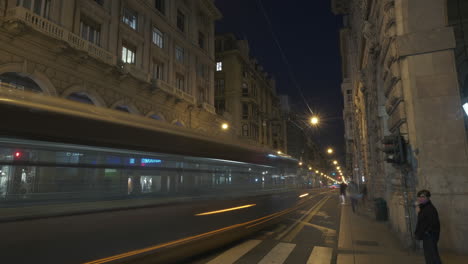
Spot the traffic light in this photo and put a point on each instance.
(394, 148)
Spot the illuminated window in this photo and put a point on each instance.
(219, 66)
(158, 37)
(130, 17)
(128, 54)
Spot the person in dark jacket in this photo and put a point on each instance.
(428, 227)
(343, 192)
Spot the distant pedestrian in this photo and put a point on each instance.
(343, 187)
(428, 227)
(364, 194)
(353, 195)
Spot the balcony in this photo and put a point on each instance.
(136, 72)
(55, 31)
(185, 96)
(209, 108)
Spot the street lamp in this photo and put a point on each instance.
(335, 162)
(330, 151)
(225, 126)
(300, 163)
(314, 120)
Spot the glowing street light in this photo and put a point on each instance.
(330, 151)
(225, 126)
(335, 162)
(314, 120)
(317, 171)
(300, 163)
(279, 152)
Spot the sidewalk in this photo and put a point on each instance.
(363, 240)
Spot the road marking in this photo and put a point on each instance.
(278, 254)
(235, 253)
(297, 227)
(320, 255)
(226, 210)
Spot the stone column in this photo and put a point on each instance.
(432, 100)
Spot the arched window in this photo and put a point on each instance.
(18, 81)
(156, 117)
(80, 97)
(122, 108)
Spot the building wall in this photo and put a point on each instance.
(403, 76)
(52, 49)
(245, 83)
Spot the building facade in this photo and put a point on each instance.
(404, 73)
(246, 96)
(152, 58)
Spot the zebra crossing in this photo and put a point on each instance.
(276, 255)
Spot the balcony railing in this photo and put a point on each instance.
(209, 108)
(53, 30)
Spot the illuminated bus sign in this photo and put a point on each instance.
(150, 161)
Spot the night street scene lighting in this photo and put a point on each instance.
(222, 131)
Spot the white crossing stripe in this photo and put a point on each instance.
(235, 253)
(320, 255)
(278, 254)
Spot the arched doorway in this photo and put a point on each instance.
(18, 81)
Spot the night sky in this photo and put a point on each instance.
(308, 34)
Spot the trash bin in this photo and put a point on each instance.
(381, 212)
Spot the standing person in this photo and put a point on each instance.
(343, 192)
(428, 227)
(353, 194)
(364, 194)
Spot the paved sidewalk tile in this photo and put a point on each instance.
(364, 241)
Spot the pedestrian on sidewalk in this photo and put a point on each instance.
(364, 194)
(353, 195)
(343, 187)
(428, 227)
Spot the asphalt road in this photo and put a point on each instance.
(291, 241)
(83, 238)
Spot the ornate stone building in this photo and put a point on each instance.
(153, 58)
(404, 71)
(246, 95)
